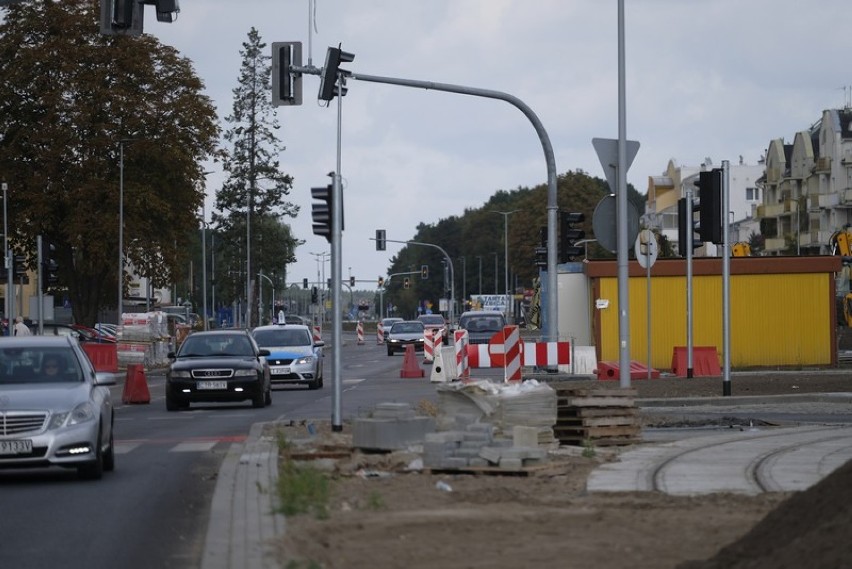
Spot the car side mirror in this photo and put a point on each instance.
(171, 355)
(263, 352)
(319, 343)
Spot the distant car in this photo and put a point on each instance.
(55, 409)
(294, 356)
(386, 326)
(294, 319)
(218, 366)
(76, 331)
(406, 333)
(432, 321)
(481, 325)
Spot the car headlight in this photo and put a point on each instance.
(305, 360)
(82, 413)
(245, 373)
(181, 374)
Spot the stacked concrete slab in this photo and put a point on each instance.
(474, 446)
(391, 426)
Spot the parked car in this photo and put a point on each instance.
(294, 356)
(218, 366)
(76, 331)
(55, 409)
(432, 321)
(386, 326)
(406, 333)
(481, 325)
(295, 319)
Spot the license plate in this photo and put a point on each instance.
(279, 370)
(16, 447)
(212, 385)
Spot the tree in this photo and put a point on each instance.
(68, 96)
(255, 187)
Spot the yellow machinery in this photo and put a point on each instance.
(840, 243)
(741, 249)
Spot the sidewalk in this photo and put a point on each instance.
(243, 524)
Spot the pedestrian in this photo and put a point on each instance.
(21, 329)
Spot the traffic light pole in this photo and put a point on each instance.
(337, 269)
(551, 325)
(451, 311)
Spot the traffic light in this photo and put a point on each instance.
(124, 17)
(424, 272)
(328, 82)
(381, 282)
(683, 225)
(569, 235)
(305, 284)
(381, 245)
(286, 84)
(49, 265)
(314, 295)
(351, 281)
(406, 283)
(20, 265)
(541, 250)
(321, 212)
(710, 205)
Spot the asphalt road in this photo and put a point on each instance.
(153, 510)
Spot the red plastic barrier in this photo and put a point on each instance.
(104, 356)
(410, 367)
(705, 361)
(135, 385)
(611, 370)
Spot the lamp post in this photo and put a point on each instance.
(8, 264)
(495, 272)
(479, 290)
(464, 282)
(506, 215)
(260, 295)
(321, 257)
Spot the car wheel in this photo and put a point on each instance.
(93, 470)
(268, 397)
(109, 455)
(315, 384)
(258, 400)
(390, 351)
(173, 404)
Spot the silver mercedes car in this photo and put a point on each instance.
(55, 410)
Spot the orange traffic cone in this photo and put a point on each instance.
(135, 385)
(410, 367)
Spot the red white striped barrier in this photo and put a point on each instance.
(461, 347)
(359, 330)
(380, 334)
(317, 333)
(512, 348)
(532, 354)
(432, 340)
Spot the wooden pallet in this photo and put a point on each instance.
(601, 417)
(534, 470)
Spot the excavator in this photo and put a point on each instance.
(840, 243)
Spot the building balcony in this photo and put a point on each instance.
(823, 164)
(775, 244)
(824, 201)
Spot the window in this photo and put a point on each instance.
(753, 194)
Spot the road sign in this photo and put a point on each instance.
(607, 149)
(604, 223)
(646, 248)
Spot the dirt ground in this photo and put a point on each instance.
(383, 516)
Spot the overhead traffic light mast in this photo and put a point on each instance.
(124, 17)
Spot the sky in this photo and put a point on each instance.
(703, 78)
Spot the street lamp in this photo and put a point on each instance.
(464, 281)
(9, 308)
(260, 294)
(121, 144)
(495, 272)
(506, 215)
(479, 258)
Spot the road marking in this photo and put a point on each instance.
(124, 448)
(353, 381)
(193, 447)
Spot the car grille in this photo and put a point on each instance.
(280, 361)
(13, 423)
(212, 373)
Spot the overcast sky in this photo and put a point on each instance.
(704, 78)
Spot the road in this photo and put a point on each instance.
(153, 510)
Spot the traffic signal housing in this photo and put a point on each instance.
(569, 235)
(710, 205)
(381, 282)
(286, 84)
(328, 82)
(125, 17)
(321, 212)
(20, 265)
(683, 225)
(49, 265)
(305, 284)
(314, 295)
(406, 283)
(381, 243)
(541, 250)
(351, 281)
(424, 272)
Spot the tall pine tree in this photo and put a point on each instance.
(255, 188)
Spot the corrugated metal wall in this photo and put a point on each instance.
(776, 319)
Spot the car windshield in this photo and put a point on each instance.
(39, 365)
(407, 327)
(283, 337)
(218, 345)
(482, 323)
